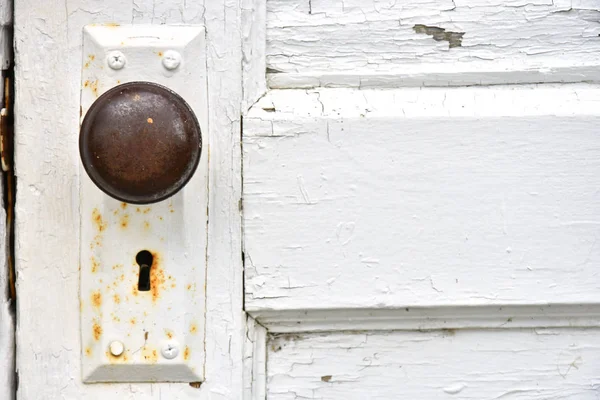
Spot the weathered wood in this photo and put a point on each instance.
(48, 42)
(514, 364)
(386, 43)
(435, 197)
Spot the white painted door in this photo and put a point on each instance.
(421, 199)
(402, 198)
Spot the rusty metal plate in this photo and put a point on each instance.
(140, 142)
(142, 267)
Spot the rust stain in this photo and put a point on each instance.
(146, 334)
(124, 221)
(193, 328)
(160, 53)
(97, 241)
(112, 25)
(116, 266)
(132, 321)
(169, 333)
(91, 58)
(186, 353)
(88, 351)
(150, 120)
(123, 205)
(94, 87)
(97, 329)
(97, 299)
(95, 265)
(189, 286)
(158, 280)
(118, 82)
(147, 225)
(117, 299)
(150, 354)
(134, 290)
(98, 220)
(121, 278)
(196, 385)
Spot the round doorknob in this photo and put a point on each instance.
(140, 142)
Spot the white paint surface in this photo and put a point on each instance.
(112, 232)
(559, 364)
(48, 40)
(432, 197)
(370, 43)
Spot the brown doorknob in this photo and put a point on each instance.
(140, 142)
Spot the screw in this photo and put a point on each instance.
(116, 348)
(170, 351)
(171, 59)
(116, 60)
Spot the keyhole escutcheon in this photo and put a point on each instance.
(144, 259)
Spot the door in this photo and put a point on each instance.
(402, 199)
(420, 200)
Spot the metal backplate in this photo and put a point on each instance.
(161, 330)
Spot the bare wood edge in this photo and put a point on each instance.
(430, 318)
(254, 42)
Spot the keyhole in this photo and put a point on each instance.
(144, 259)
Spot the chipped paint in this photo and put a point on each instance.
(454, 39)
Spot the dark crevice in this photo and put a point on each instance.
(9, 186)
(241, 210)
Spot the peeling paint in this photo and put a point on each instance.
(454, 39)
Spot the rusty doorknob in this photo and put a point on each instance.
(140, 142)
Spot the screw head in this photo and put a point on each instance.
(116, 348)
(171, 59)
(170, 350)
(116, 60)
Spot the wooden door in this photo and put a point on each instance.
(402, 198)
(420, 199)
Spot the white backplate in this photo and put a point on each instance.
(174, 230)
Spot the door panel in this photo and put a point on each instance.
(362, 43)
(464, 364)
(433, 197)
